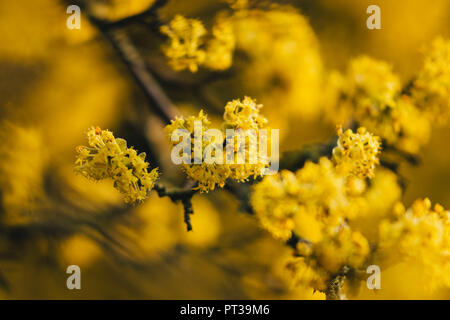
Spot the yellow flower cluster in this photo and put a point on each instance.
(419, 234)
(246, 121)
(371, 94)
(300, 201)
(109, 157)
(319, 262)
(372, 86)
(318, 203)
(431, 88)
(318, 191)
(244, 118)
(357, 153)
(243, 115)
(207, 175)
(187, 48)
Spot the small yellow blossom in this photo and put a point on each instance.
(357, 153)
(219, 49)
(109, 157)
(188, 48)
(243, 115)
(186, 38)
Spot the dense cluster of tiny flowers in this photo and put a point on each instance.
(304, 202)
(372, 86)
(431, 88)
(318, 203)
(207, 175)
(244, 118)
(243, 115)
(317, 262)
(220, 48)
(246, 121)
(420, 234)
(185, 40)
(357, 152)
(187, 48)
(370, 93)
(109, 157)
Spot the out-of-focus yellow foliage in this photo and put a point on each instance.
(80, 250)
(285, 69)
(431, 91)
(23, 159)
(420, 234)
(117, 9)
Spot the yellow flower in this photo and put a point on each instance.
(357, 153)
(306, 272)
(108, 157)
(188, 48)
(370, 94)
(207, 175)
(185, 37)
(238, 115)
(431, 89)
(243, 115)
(420, 234)
(341, 247)
(275, 202)
(285, 68)
(322, 186)
(372, 86)
(219, 49)
(304, 201)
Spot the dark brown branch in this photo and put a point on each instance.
(133, 60)
(136, 64)
(182, 195)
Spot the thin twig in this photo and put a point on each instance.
(182, 195)
(137, 66)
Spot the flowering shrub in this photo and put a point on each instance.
(320, 210)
